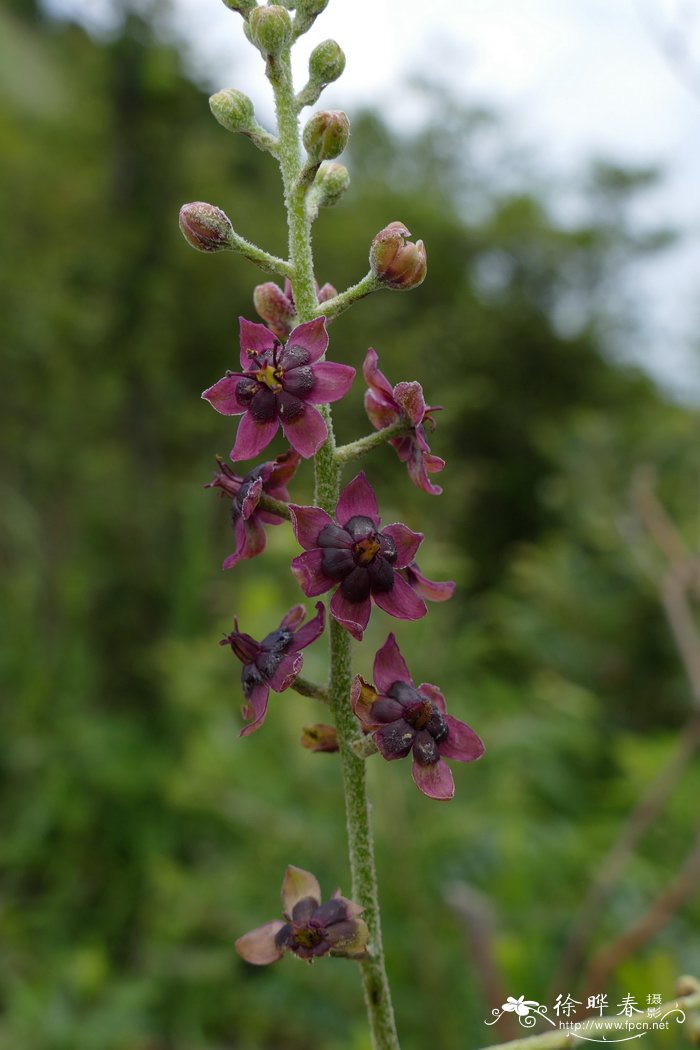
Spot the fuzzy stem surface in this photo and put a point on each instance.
(380, 1011)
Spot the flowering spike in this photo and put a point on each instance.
(396, 262)
(206, 227)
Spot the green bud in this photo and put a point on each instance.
(398, 263)
(331, 183)
(233, 110)
(319, 737)
(326, 135)
(270, 29)
(206, 227)
(307, 11)
(244, 7)
(326, 62)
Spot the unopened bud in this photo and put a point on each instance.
(326, 62)
(244, 7)
(326, 135)
(270, 29)
(307, 11)
(319, 737)
(326, 292)
(331, 183)
(206, 227)
(233, 110)
(276, 309)
(396, 262)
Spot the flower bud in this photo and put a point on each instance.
(307, 11)
(319, 737)
(244, 7)
(270, 29)
(326, 135)
(276, 309)
(326, 62)
(233, 110)
(331, 183)
(206, 227)
(398, 263)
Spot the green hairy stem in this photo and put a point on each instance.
(327, 474)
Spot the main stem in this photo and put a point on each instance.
(380, 1011)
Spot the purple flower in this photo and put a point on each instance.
(247, 518)
(385, 405)
(354, 552)
(312, 929)
(431, 590)
(405, 718)
(280, 385)
(274, 662)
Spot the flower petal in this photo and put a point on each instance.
(409, 398)
(419, 464)
(287, 670)
(307, 432)
(434, 694)
(223, 397)
(299, 885)
(254, 337)
(401, 601)
(331, 382)
(461, 743)
(353, 616)
(312, 337)
(252, 437)
(307, 570)
(406, 541)
(307, 523)
(291, 620)
(434, 780)
(390, 666)
(395, 740)
(380, 414)
(430, 589)
(357, 498)
(258, 947)
(256, 708)
(375, 379)
(251, 498)
(283, 470)
(362, 697)
(310, 631)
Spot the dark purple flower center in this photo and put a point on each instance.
(359, 556)
(277, 384)
(427, 721)
(260, 659)
(314, 928)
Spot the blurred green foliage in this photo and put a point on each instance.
(140, 834)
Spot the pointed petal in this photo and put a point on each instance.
(283, 470)
(409, 397)
(380, 414)
(292, 619)
(258, 947)
(298, 885)
(310, 631)
(390, 666)
(353, 944)
(312, 337)
(362, 697)
(307, 523)
(254, 337)
(331, 382)
(357, 497)
(401, 601)
(406, 541)
(353, 616)
(307, 432)
(256, 708)
(375, 379)
(239, 533)
(461, 742)
(419, 464)
(252, 437)
(223, 397)
(434, 694)
(430, 589)
(307, 570)
(434, 780)
(287, 670)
